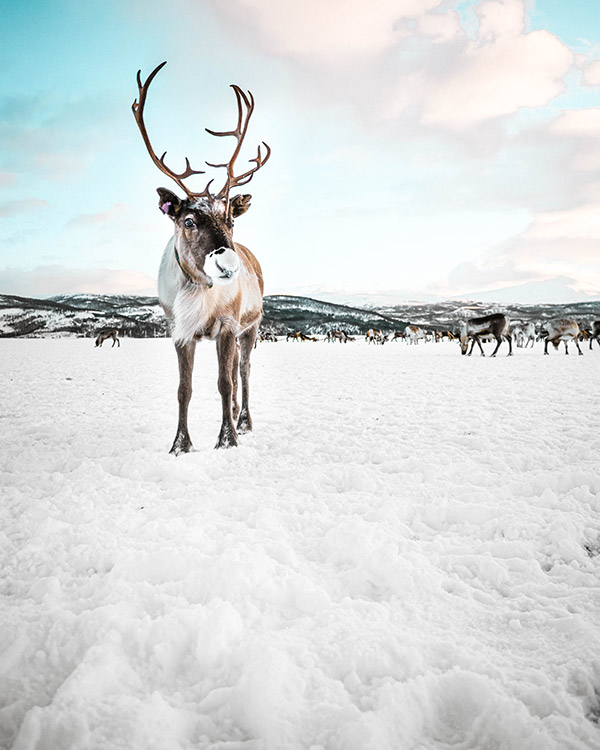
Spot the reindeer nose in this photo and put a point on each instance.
(219, 251)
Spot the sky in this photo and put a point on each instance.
(422, 148)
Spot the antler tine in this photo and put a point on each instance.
(138, 112)
(245, 101)
(245, 178)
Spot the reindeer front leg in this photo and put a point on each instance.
(247, 340)
(185, 358)
(226, 353)
(498, 343)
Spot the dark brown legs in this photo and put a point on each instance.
(185, 357)
(231, 356)
(227, 354)
(476, 339)
(556, 343)
(247, 340)
(499, 341)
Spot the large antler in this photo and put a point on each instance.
(239, 134)
(138, 112)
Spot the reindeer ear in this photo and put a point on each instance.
(240, 204)
(168, 202)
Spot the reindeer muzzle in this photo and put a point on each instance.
(222, 265)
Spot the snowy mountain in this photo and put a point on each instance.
(84, 314)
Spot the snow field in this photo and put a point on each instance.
(403, 555)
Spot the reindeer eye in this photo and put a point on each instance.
(188, 223)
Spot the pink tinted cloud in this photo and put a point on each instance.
(498, 72)
(115, 213)
(27, 205)
(45, 281)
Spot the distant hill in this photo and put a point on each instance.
(85, 314)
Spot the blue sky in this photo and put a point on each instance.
(435, 148)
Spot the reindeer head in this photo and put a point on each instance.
(203, 221)
(204, 235)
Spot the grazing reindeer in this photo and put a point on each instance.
(496, 325)
(208, 285)
(340, 336)
(108, 333)
(374, 336)
(562, 329)
(595, 333)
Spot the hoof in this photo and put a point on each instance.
(244, 423)
(227, 438)
(181, 444)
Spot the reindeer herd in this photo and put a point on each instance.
(495, 327)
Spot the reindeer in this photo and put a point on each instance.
(374, 336)
(595, 333)
(108, 333)
(518, 335)
(209, 286)
(528, 334)
(496, 325)
(340, 336)
(562, 329)
(414, 333)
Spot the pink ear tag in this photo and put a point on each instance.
(166, 207)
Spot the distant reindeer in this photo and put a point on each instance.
(108, 333)
(340, 336)
(562, 329)
(528, 334)
(518, 336)
(496, 325)
(595, 333)
(209, 286)
(374, 336)
(414, 333)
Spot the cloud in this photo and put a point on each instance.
(7, 179)
(591, 74)
(557, 243)
(45, 281)
(336, 32)
(117, 213)
(498, 72)
(29, 205)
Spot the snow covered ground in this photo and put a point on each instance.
(404, 555)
